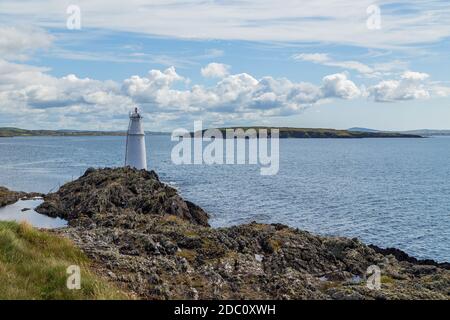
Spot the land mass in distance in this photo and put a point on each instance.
(285, 132)
(16, 132)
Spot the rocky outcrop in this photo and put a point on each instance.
(8, 197)
(146, 238)
(100, 193)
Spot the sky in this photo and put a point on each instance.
(324, 63)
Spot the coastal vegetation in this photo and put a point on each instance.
(33, 265)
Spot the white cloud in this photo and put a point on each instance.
(215, 70)
(414, 76)
(337, 85)
(441, 90)
(328, 21)
(326, 60)
(312, 57)
(167, 96)
(241, 94)
(28, 89)
(18, 43)
(410, 86)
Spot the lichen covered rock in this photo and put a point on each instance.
(104, 192)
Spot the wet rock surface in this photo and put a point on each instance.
(146, 238)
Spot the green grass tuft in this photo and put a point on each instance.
(33, 265)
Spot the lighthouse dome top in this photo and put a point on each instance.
(135, 114)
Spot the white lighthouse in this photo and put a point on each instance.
(136, 156)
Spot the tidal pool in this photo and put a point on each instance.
(23, 211)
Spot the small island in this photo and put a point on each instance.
(317, 133)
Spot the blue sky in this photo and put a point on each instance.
(280, 63)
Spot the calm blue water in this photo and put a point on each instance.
(390, 192)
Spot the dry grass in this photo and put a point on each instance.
(33, 265)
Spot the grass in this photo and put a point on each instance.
(33, 265)
(387, 279)
(189, 255)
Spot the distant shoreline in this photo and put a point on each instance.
(284, 133)
(16, 132)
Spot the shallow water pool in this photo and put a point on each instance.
(23, 211)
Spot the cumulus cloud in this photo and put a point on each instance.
(410, 86)
(28, 90)
(140, 87)
(337, 85)
(215, 70)
(167, 96)
(240, 94)
(161, 92)
(414, 76)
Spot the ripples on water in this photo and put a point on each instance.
(390, 192)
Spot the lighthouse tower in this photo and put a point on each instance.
(136, 156)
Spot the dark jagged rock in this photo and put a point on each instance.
(8, 197)
(146, 238)
(111, 191)
(403, 256)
